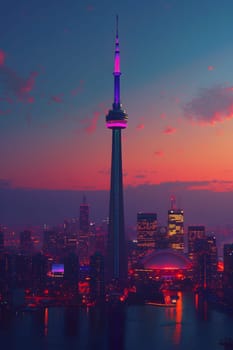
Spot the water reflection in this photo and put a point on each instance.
(174, 316)
(201, 306)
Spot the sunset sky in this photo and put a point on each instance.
(56, 85)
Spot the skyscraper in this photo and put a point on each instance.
(84, 218)
(116, 120)
(84, 226)
(176, 227)
(146, 230)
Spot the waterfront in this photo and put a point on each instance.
(192, 325)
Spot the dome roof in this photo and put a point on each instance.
(166, 260)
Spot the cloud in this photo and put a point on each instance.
(4, 184)
(211, 106)
(7, 99)
(212, 185)
(159, 153)
(163, 115)
(76, 91)
(56, 98)
(140, 176)
(169, 130)
(210, 68)
(5, 112)
(2, 57)
(140, 126)
(16, 85)
(92, 125)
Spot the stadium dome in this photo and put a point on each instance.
(166, 260)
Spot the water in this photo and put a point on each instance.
(191, 325)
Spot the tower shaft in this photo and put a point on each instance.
(117, 247)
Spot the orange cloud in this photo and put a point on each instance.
(169, 130)
(91, 128)
(140, 126)
(159, 153)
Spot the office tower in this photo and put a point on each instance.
(146, 230)
(26, 243)
(71, 269)
(194, 233)
(97, 282)
(70, 235)
(84, 227)
(1, 239)
(84, 218)
(205, 262)
(116, 120)
(50, 242)
(39, 270)
(228, 266)
(176, 229)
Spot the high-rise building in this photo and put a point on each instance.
(228, 266)
(84, 217)
(176, 229)
(1, 239)
(116, 120)
(194, 233)
(26, 243)
(146, 230)
(205, 262)
(97, 283)
(84, 227)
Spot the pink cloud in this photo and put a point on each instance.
(92, 125)
(57, 98)
(7, 111)
(159, 153)
(16, 85)
(211, 106)
(163, 115)
(76, 91)
(2, 57)
(140, 126)
(7, 99)
(210, 68)
(169, 130)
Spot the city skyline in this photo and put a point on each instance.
(54, 97)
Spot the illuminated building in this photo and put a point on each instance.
(39, 269)
(83, 240)
(26, 244)
(176, 229)
(205, 258)
(146, 230)
(51, 242)
(228, 271)
(1, 239)
(70, 235)
(71, 269)
(116, 120)
(194, 233)
(97, 281)
(84, 218)
(164, 264)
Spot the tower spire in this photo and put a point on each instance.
(117, 117)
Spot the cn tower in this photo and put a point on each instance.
(116, 120)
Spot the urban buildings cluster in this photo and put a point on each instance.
(82, 264)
